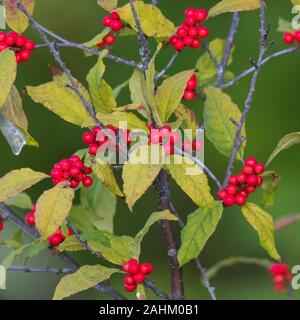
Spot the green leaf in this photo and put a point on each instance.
(284, 26)
(22, 201)
(296, 2)
(269, 187)
(81, 218)
(84, 278)
(101, 203)
(138, 177)
(17, 181)
(15, 18)
(207, 70)
(263, 223)
(61, 100)
(155, 217)
(117, 90)
(95, 40)
(192, 180)
(101, 91)
(71, 244)
(53, 207)
(108, 5)
(104, 172)
(286, 142)
(200, 225)
(132, 121)
(153, 22)
(15, 242)
(220, 130)
(8, 72)
(225, 6)
(187, 117)
(170, 93)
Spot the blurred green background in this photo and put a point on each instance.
(275, 113)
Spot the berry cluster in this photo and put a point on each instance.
(72, 170)
(1, 223)
(30, 217)
(190, 33)
(113, 22)
(290, 38)
(98, 138)
(58, 237)
(190, 93)
(168, 138)
(18, 43)
(135, 273)
(241, 185)
(281, 276)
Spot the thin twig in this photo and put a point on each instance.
(228, 48)
(151, 285)
(41, 269)
(167, 67)
(154, 2)
(212, 56)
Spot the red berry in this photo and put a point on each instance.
(244, 194)
(250, 189)
(2, 36)
(74, 159)
(187, 146)
(260, 181)
(88, 138)
(130, 288)
(275, 269)
(174, 137)
(241, 178)
(87, 181)
(107, 21)
(173, 40)
(125, 266)
(114, 15)
(233, 180)
(188, 40)
(18, 58)
(240, 200)
(129, 280)
(197, 145)
(29, 45)
(133, 267)
(30, 219)
(168, 148)
(279, 287)
(222, 194)
(25, 55)
(288, 38)
(55, 239)
(179, 45)
(193, 31)
(65, 165)
(182, 32)
(74, 184)
(3, 46)
(139, 277)
(297, 36)
(201, 15)
(1, 226)
(252, 180)
(202, 32)
(74, 172)
(259, 168)
(231, 190)
(279, 279)
(116, 25)
(146, 268)
(248, 170)
(155, 137)
(283, 268)
(10, 40)
(87, 170)
(56, 174)
(251, 162)
(189, 95)
(192, 83)
(165, 131)
(96, 130)
(229, 200)
(196, 43)
(20, 40)
(190, 21)
(93, 148)
(190, 12)
(110, 39)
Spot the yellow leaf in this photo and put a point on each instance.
(192, 180)
(84, 278)
(187, 118)
(220, 130)
(15, 18)
(61, 100)
(153, 22)
(104, 172)
(108, 5)
(53, 206)
(170, 93)
(263, 223)
(233, 6)
(8, 71)
(17, 181)
(139, 176)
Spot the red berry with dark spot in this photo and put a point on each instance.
(115, 15)
(252, 180)
(233, 180)
(231, 190)
(87, 181)
(247, 170)
(139, 277)
(241, 178)
(133, 267)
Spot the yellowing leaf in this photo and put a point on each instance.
(84, 278)
(263, 223)
(207, 70)
(71, 244)
(187, 118)
(108, 5)
(155, 216)
(101, 91)
(153, 22)
(22, 201)
(138, 177)
(170, 93)
(17, 181)
(284, 26)
(104, 172)
(192, 180)
(295, 2)
(15, 18)
(61, 100)
(286, 142)
(53, 207)
(233, 6)
(218, 112)
(8, 71)
(132, 121)
(200, 225)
